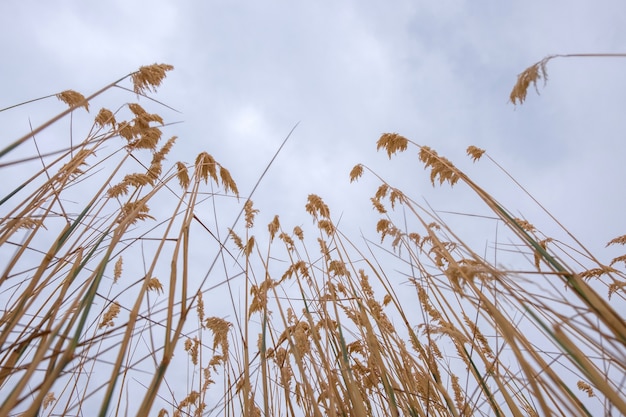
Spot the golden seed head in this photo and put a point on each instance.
(620, 240)
(585, 387)
(149, 77)
(387, 299)
(338, 268)
(378, 205)
(316, 207)
(440, 166)
(615, 287)
(148, 138)
(206, 166)
(475, 152)
(155, 285)
(617, 259)
(247, 250)
(118, 190)
(392, 143)
(111, 313)
(105, 117)
(228, 182)
(73, 99)
(182, 173)
(327, 226)
(529, 76)
(287, 240)
(235, 237)
(596, 272)
(381, 192)
(117, 270)
(134, 211)
(249, 213)
(356, 172)
(273, 227)
(138, 180)
(159, 156)
(220, 328)
(200, 307)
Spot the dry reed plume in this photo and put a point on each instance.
(126, 294)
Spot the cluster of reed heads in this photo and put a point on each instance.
(123, 291)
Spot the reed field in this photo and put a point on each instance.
(124, 291)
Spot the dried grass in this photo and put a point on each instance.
(313, 324)
(537, 72)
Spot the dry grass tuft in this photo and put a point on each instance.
(439, 166)
(392, 143)
(105, 117)
(228, 182)
(73, 99)
(620, 240)
(182, 173)
(149, 77)
(475, 153)
(155, 285)
(538, 72)
(527, 77)
(356, 172)
(316, 207)
(111, 313)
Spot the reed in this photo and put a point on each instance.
(125, 292)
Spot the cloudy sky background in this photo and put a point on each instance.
(437, 72)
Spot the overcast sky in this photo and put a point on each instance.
(438, 72)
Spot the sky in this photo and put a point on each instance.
(437, 72)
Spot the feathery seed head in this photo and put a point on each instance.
(247, 250)
(440, 166)
(206, 167)
(134, 211)
(149, 77)
(228, 182)
(287, 239)
(316, 207)
(249, 213)
(117, 270)
(183, 175)
(378, 205)
(381, 192)
(111, 313)
(356, 172)
(235, 237)
(585, 387)
(620, 240)
(327, 226)
(530, 75)
(118, 190)
(200, 307)
(273, 227)
(73, 99)
(392, 143)
(155, 285)
(475, 152)
(220, 328)
(105, 117)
